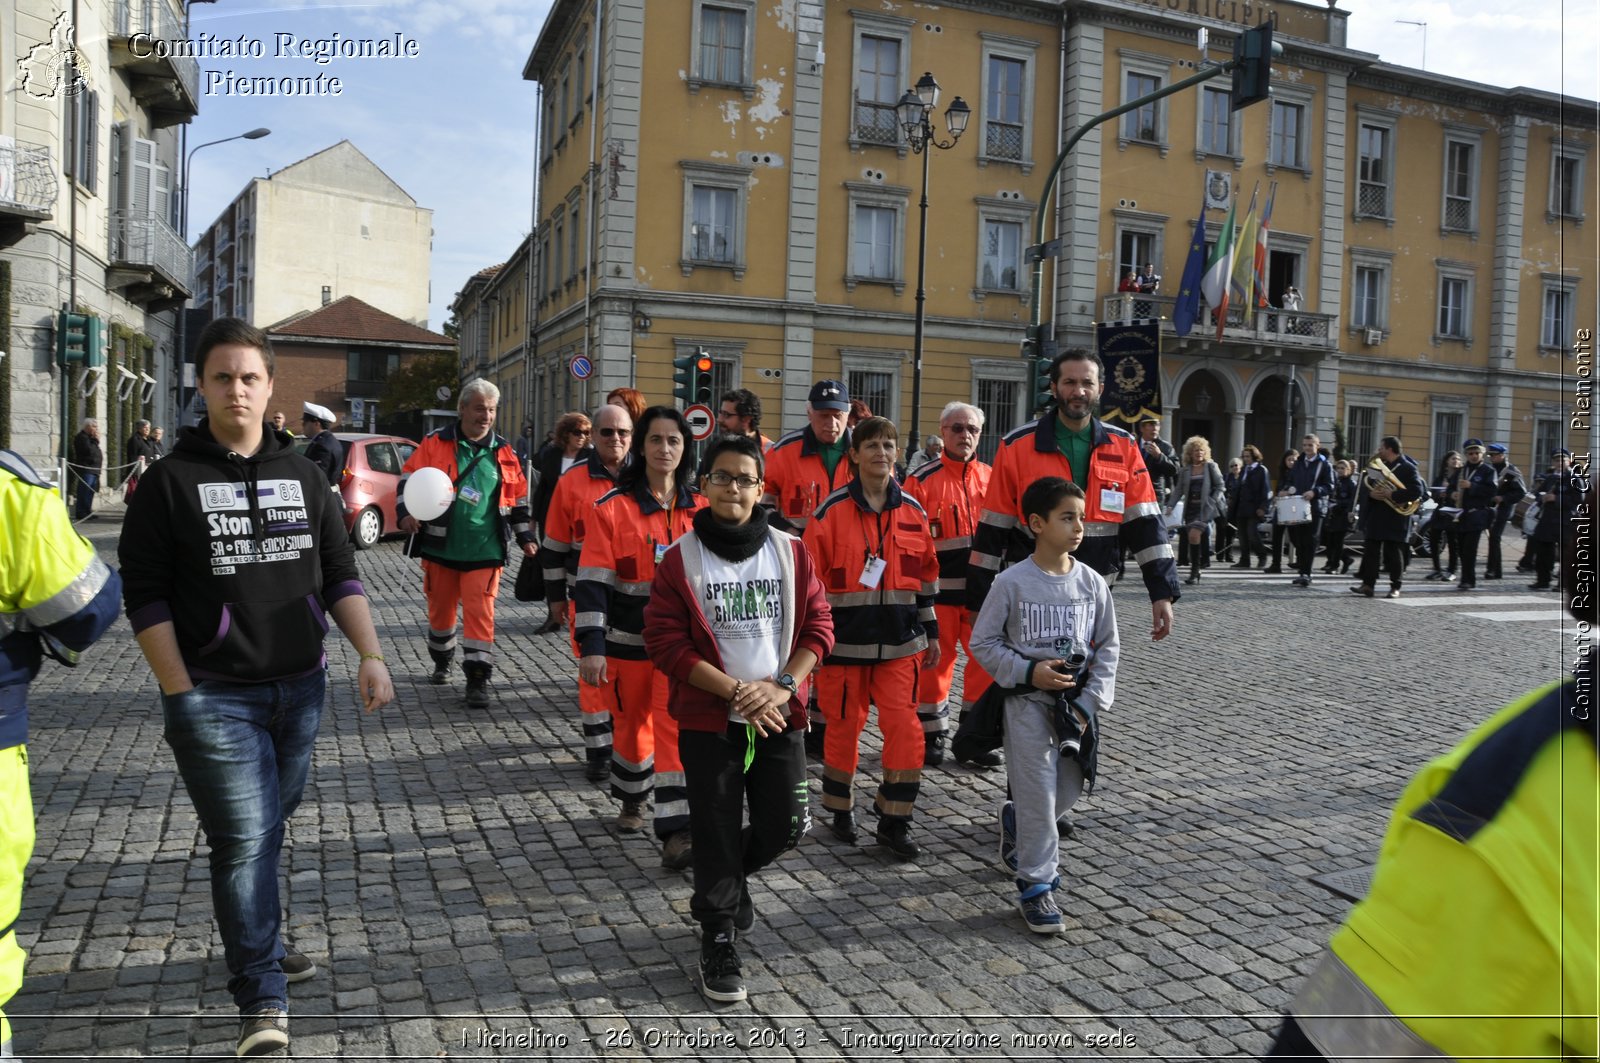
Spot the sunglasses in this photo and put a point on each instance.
(578, 432)
(612, 433)
(964, 429)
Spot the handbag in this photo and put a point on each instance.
(530, 580)
(1530, 519)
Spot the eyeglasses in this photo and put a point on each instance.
(723, 479)
(611, 433)
(964, 429)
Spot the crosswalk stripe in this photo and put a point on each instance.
(1520, 614)
(1474, 599)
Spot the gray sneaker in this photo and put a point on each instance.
(263, 1031)
(297, 967)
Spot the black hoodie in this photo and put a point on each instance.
(242, 554)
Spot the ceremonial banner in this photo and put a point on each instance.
(1132, 357)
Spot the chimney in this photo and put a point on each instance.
(327, 294)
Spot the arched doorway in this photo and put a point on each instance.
(1202, 411)
(1277, 417)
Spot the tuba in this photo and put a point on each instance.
(1378, 474)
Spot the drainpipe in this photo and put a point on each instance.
(530, 317)
(72, 239)
(594, 186)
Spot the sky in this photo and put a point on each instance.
(454, 124)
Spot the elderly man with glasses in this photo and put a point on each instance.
(950, 488)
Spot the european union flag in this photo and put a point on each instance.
(1187, 307)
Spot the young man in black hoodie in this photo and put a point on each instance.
(232, 550)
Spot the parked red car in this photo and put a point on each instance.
(372, 465)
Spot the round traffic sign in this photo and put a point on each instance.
(443, 394)
(582, 367)
(701, 421)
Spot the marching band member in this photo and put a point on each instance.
(875, 554)
(629, 531)
(1559, 495)
(1472, 491)
(1310, 478)
(1509, 489)
(1384, 527)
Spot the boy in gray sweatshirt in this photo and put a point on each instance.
(1047, 625)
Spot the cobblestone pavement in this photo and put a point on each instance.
(465, 893)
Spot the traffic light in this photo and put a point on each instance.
(683, 380)
(1252, 74)
(702, 379)
(1044, 396)
(80, 340)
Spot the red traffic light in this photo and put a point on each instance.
(703, 363)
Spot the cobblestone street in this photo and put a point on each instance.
(465, 892)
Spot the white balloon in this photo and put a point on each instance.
(429, 493)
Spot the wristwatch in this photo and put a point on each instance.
(787, 682)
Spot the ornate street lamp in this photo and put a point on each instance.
(914, 111)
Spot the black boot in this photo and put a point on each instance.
(933, 753)
(441, 667)
(894, 834)
(477, 684)
(844, 826)
(1194, 568)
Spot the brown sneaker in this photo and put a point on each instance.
(1363, 589)
(677, 852)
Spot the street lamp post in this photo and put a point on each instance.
(183, 227)
(914, 112)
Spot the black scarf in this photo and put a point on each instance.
(732, 542)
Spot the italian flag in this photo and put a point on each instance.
(1214, 283)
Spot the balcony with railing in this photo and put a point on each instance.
(145, 35)
(876, 123)
(149, 259)
(1258, 325)
(27, 187)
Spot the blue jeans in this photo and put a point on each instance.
(244, 750)
(83, 494)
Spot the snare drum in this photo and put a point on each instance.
(1293, 509)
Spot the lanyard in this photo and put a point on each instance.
(879, 520)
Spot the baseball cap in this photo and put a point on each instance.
(829, 395)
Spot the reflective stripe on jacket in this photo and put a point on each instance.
(566, 525)
(438, 451)
(951, 493)
(1115, 462)
(896, 618)
(798, 481)
(627, 532)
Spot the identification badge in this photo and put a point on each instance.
(1111, 500)
(872, 574)
(661, 551)
(471, 495)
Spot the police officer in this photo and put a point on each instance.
(56, 597)
(325, 449)
(1472, 490)
(1510, 488)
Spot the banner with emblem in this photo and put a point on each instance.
(1132, 357)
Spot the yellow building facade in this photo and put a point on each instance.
(729, 175)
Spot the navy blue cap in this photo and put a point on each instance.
(1563, 451)
(1497, 448)
(829, 395)
(1469, 444)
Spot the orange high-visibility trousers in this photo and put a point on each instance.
(845, 695)
(471, 593)
(933, 688)
(644, 754)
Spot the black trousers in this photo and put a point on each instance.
(774, 788)
(1305, 538)
(1392, 556)
(1544, 561)
(1335, 528)
(1491, 567)
(1450, 534)
(1467, 537)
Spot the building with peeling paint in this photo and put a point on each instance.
(728, 174)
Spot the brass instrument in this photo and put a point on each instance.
(1378, 474)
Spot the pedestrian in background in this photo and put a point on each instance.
(630, 399)
(573, 433)
(87, 461)
(233, 629)
(1341, 511)
(324, 450)
(739, 414)
(56, 598)
(464, 551)
(1058, 678)
(737, 620)
(1559, 493)
(1279, 529)
(630, 529)
(1249, 507)
(140, 452)
(1201, 489)
(1227, 531)
(157, 444)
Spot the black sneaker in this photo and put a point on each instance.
(477, 692)
(844, 826)
(721, 978)
(298, 967)
(895, 835)
(598, 769)
(263, 1031)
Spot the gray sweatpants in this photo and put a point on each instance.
(1044, 785)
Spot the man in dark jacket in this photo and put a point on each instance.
(1384, 527)
(324, 450)
(87, 459)
(1473, 491)
(1250, 506)
(1510, 488)
(232, 550)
